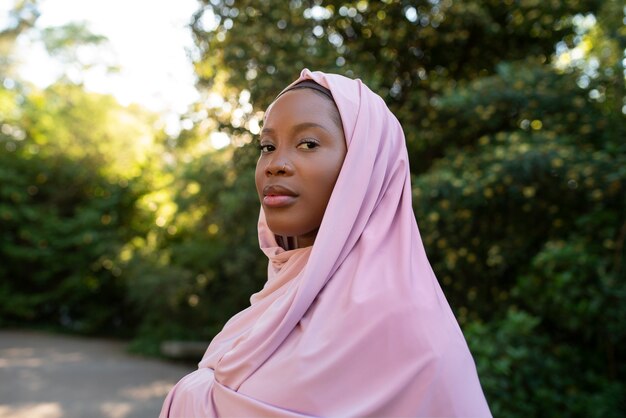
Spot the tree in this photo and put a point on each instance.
(65, 209)
(70, 167)
(22, 16)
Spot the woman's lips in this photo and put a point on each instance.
(278, 201)
(278, 196)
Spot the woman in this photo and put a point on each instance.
(351, 321)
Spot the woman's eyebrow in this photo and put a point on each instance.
(305, 125)
(267, 131)
(296, 128)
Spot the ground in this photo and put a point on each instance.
(53, 376)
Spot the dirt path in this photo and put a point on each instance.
(53, 376)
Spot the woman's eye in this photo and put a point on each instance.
(264, 148)
(307, 145)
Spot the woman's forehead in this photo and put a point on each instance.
(303, 105)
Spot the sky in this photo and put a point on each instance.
(148, 40)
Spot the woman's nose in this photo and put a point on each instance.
(278, 166)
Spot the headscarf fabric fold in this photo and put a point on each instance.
(357, 324)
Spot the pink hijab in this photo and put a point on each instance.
(355, 325)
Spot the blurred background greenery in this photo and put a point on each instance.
(514, 113)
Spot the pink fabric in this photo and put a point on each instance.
(356, 325)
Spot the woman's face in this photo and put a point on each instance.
(302, 151)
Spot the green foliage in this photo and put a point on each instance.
(67, 206)
(526, 209)
(76, 47)
(205, 262)
(21, 17)
(408, 52)
(475, 203)
(525, 371)
(61, 228)
(69, 36)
